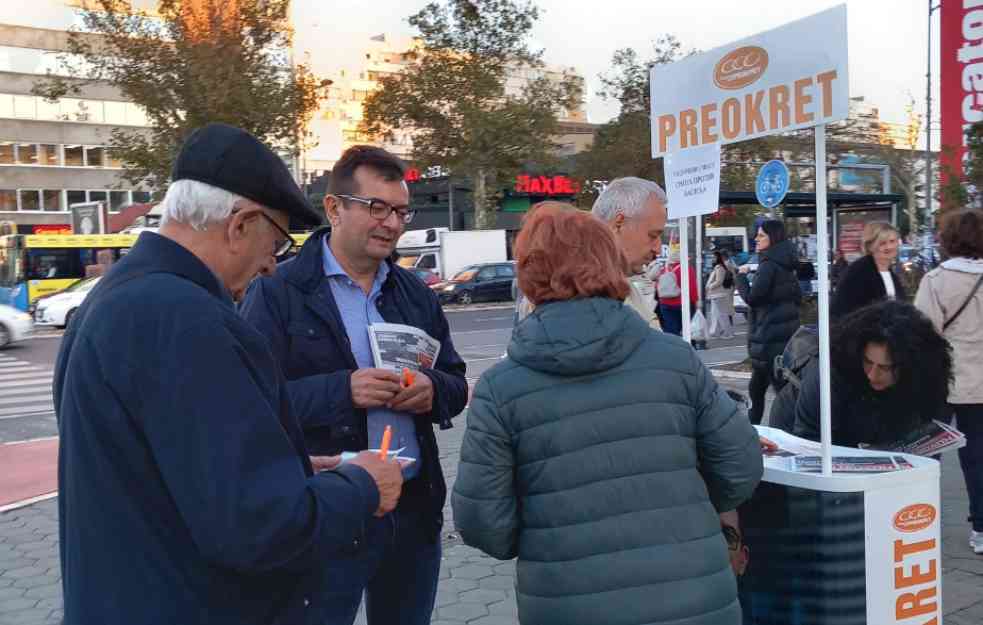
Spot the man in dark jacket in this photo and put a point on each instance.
(186, 494)
(773, 300)
(315, 313)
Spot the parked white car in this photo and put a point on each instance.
(57, 309)
(15, 325)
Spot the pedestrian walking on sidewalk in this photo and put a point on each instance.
(870, 278)
(186, 494)
(315, 312)
(773, 303)
(951, 295)
(720, 292)
(601, 452)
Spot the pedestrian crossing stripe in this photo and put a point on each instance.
(25, 388)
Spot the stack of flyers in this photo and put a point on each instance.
(852, 464)
(930, 439)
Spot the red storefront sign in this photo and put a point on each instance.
(961, 85)
(52, 229)
(546, 185)
(412, 175)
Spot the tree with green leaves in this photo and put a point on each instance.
(187, 65)
(455, 100)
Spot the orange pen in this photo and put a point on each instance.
(387, 437)
(408, 377)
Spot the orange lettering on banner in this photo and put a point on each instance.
(687, 129)
(708, 123)
(902, 550)
(916, 578)
(912, 604)
(825, 81)
(778, 103)
(801, 99)
(667, 128)
(730, 118)
(755, 121)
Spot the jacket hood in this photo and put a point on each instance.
(783, 253)
(577, 337)
(965, 265)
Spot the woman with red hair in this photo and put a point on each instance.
(600, 451)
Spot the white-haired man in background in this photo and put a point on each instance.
(635, 211)
(181, 467)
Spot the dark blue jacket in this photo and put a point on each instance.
(185, 492)
(300, 319)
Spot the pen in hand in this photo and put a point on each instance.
(387, 437)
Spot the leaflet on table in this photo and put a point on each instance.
(851, 464)
(930, 439)
(396, 347)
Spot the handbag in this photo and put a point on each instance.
(972, 294)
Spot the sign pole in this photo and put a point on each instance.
(684, 274)
(822, 260)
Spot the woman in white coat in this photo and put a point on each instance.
(721, 298)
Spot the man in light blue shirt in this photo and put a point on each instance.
(358, 310)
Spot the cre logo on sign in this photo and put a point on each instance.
(914, 517)
(740, 67)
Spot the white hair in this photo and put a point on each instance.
(626, 195)
(197, 204)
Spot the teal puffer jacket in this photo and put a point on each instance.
(600, 452)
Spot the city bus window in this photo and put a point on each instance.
(53, 263)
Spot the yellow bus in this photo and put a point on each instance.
(34, 265)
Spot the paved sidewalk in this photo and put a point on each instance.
(474, 589)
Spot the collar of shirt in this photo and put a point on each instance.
(333, 269)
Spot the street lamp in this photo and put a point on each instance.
(929, 215)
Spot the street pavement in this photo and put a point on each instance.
(474, 589)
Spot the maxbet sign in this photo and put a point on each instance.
(783, 79)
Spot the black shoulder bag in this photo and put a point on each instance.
(972, 294)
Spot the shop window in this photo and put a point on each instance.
(118, 199)
(112, 160)
(8, 200)
(52, 199)
(48, 154)
(94, 157)
(6, 153)
(98, 196)
(141, 197)
(27, 154)
(74, 156)
(30, 200)
(75, 197)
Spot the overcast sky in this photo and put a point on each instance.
(887, 38)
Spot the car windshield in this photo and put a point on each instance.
(465, 274)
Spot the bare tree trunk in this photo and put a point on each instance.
(484, 215)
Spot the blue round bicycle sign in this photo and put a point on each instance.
(772, 184)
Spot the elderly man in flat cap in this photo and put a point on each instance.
(186, 494)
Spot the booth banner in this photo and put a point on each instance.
(779, 80)
(904, 557)
(693, 182)
(961, 84)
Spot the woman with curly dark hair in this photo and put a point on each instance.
(952, 297)
(890, 373)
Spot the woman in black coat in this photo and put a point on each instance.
(773, 302)
(870, 278)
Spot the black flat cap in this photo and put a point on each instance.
(232, 159)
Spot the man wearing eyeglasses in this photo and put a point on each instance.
(315, 312)
(186, 494)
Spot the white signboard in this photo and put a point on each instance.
(693, 181)
(904, 554)
(791, 77)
